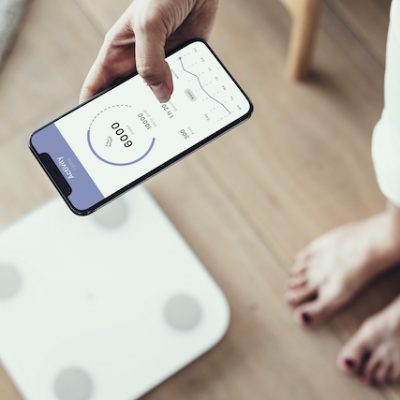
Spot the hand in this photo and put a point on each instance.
(139, 39)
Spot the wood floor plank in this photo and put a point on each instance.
(7, 388)
(24, 186)
(103, 13)
(368, 19)
(45, 69)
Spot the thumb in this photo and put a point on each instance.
(150, 60)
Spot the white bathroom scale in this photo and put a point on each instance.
(103, 307)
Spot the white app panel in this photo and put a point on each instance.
(125, 133)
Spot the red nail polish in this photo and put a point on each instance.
(350, 363)
(306, 318)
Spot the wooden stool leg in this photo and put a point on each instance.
(305, 15)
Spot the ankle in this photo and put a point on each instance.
(393, 213)
(393, 210)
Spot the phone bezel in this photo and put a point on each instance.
(160, 167)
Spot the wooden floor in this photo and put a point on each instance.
(250, 200)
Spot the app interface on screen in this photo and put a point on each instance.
(126, 133)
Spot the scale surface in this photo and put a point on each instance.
(102, 307)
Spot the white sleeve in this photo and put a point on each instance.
(386, 138)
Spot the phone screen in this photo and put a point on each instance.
(123, 136)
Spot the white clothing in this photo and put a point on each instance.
(386, 138)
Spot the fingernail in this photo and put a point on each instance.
(350, 363)
(161, 91)
(306, 318)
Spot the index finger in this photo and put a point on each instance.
(115, 59)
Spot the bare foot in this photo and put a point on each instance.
(334, 267)
(373, 353)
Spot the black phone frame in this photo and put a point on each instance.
(161, 166)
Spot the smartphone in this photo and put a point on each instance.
(124, 135)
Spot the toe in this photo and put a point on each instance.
(300, 263)
(302, 256)
(380, 374)
(351, 358)
(389, 373)
(298, 295)
(394, 374)
(297, 281)
(371, 366)
(312, 313)
(355, 355)
(297, 270)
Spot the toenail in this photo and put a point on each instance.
(306, 318)
(350, 363)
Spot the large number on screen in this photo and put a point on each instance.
(123, 137)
